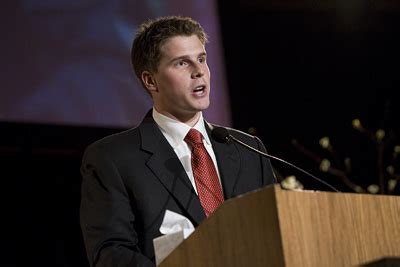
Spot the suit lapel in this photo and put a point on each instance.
(166, 166)
(228, 163)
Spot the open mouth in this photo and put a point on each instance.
(199, 89)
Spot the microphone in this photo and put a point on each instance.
(222, 135)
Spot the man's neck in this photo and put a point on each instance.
(189, 119)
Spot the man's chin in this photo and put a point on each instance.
(203, 106)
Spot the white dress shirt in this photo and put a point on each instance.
(175, 133)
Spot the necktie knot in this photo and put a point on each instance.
(194, 137)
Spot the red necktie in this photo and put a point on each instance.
(205, 174)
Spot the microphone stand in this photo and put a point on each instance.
(230, 137)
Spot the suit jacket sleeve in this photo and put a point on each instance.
(267, 170)
(107, 218)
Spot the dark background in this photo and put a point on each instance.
(304, 70)
(295, 71)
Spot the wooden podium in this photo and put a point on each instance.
(276, 227)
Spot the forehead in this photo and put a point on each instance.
(179, 46)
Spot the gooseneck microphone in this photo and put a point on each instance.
(222, 135)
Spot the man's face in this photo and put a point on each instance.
(182, 81)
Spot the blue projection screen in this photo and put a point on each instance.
(68, 62)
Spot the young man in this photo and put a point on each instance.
(130, 179)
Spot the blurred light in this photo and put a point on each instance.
(392, 184)
(358, 189)
(324, 142)
(324, 165)
(390, 169)
(356, 124)
(373, 188)
(396, 150)
(347, 163)
(252, 131)
(380, 134)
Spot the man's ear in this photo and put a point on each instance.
(149, 81)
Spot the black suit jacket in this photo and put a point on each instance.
(131, 178)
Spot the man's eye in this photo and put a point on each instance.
(202, 59)
(181, 63)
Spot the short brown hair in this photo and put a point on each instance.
(152, 34)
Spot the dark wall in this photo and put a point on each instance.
(298, 70)
(41, 193)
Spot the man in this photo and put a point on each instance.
(131, 178)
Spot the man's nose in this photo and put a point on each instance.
(198, 71)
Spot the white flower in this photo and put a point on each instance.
(373, 188)
(324, 165)
(356, 124)
(392, 184)
(324, 142)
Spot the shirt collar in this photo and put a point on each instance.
(175, 131)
